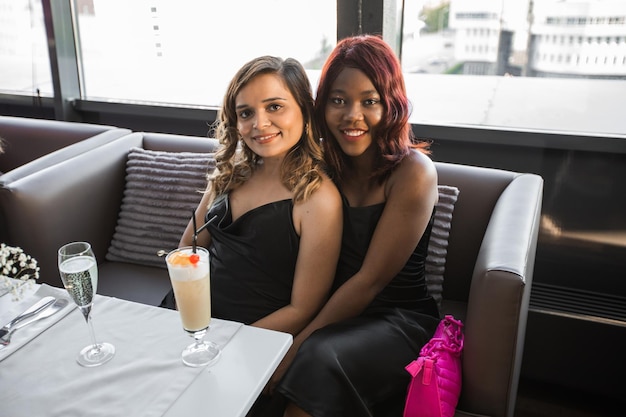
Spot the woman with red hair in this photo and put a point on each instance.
(349, 361)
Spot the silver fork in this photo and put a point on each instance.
(47, 312)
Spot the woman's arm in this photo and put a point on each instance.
(204, 237)
(320, 221)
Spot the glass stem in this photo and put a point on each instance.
(92, 332)
(199, 335)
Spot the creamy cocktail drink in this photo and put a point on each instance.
(191, 280)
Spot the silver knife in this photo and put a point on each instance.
(39, 306)
(57, 306)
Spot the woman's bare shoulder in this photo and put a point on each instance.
(327, 191)
(416, 166)
(322, 209)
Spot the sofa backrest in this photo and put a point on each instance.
(178, 143)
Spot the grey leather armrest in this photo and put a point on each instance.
(62, 154)
(26, 139)
(498, 293)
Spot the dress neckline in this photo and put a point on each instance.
(250, 212)
(369, 206)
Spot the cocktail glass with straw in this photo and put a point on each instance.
(189, 272)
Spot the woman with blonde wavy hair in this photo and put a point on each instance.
(274, 218)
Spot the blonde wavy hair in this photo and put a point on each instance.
(302, 167)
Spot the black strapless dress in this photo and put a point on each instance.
(356, 367)
(253, 260)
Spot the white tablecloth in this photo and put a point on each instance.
(144, 378)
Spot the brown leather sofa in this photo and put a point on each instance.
(488, 271)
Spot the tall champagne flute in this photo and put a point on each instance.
(190, 275)
(79, 272)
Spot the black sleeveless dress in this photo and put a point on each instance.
(253, 260)
(356, 367)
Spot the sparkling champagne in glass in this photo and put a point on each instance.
(190, 275)
(79, 272)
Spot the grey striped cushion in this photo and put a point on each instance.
(162, 190)
(438, 245)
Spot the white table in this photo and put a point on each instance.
(232, 385)
(228, 388)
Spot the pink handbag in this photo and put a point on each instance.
(436, 375)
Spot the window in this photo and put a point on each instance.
(474, 60)
(555, 42)
(25, 66)
(185, 52)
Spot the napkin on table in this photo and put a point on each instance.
(25, 334)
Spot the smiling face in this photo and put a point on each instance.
(268, 116)
(353, 111)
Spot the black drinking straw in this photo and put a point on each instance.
(195, 231)
(204, 226)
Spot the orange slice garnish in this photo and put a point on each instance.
(184, 259)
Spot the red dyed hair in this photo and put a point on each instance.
(378, 61)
